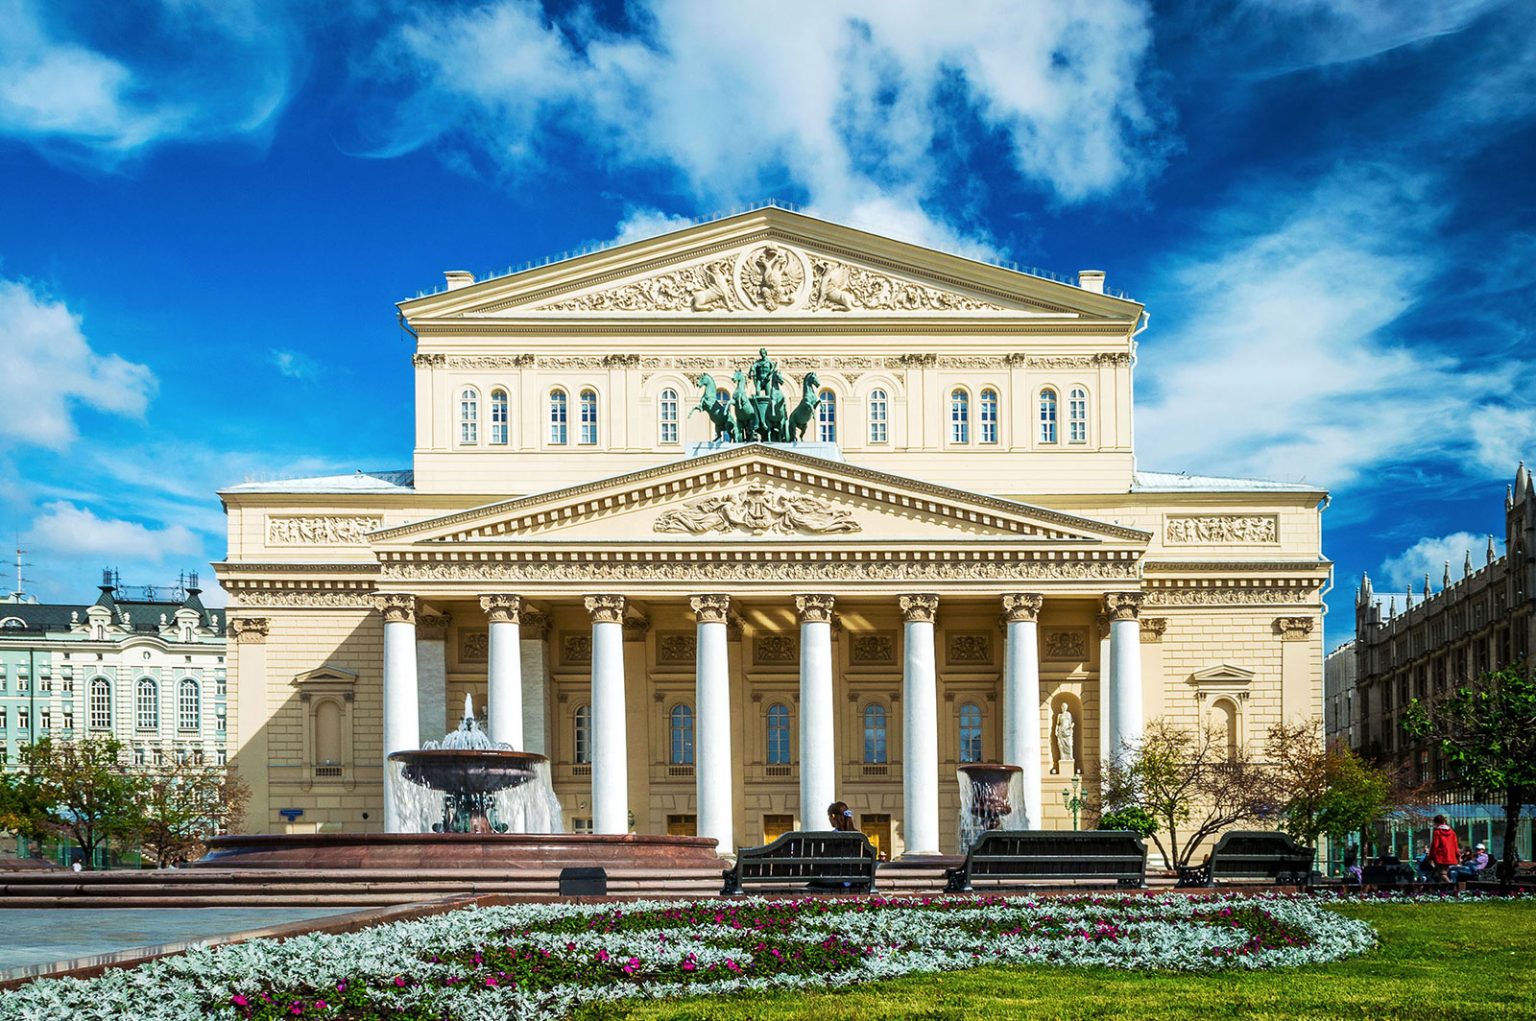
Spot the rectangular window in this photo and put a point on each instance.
(581, 824)
(46, 718)
(69, 721)
(23, 719)
(879, 418)
(220, 721)
(2, 718)
(989, 416)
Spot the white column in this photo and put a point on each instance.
(818, 763)
(402, 719)
(504, 677)
(1021, 699)
(610, 750)
(712, 732)
(1125, 710)
(919, 726)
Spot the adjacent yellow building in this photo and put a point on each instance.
(956, 560)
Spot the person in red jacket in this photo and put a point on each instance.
(1443, 852)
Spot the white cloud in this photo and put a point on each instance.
(1429, 556)
(50, 367)
(199, 69)
(845, 102)
(1284, 363)
(641, 223)
(1314, 33)
(66, 530)
(292, 364)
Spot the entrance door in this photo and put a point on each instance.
(878, 829)
(775, 826)
(682, 825)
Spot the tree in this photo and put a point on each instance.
(19, 810)
(1486, 730)
(1318, 791)
(82, 791)
(1190, 782)
(184, 803)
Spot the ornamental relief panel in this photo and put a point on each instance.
(877, 649)
(474, 645)
(575, 648)
(968, 649)
(776, 650)
(321, 530)
(769, 278)
(1065, 644)
(676, 648)
(760, 571)
(760, 510)
(1221, 529)
(1228, 596)
(306, 598)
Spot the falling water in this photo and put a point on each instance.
(978, 806)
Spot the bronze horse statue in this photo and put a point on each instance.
(805, 412)
(716, 407)
(748, 426)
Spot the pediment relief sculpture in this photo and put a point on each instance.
(769, 278)
(761, 510)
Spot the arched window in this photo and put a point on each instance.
(328, 733)
(589, 416)
(682, 735)
(970, 732)
(189, 706)
(879, 417)
(559, 417)
(959, 416)
(101, 704)
(1077, 415)
(1224, 726)
(778, 734)
(826, 417)
(469, 415)
(669, 416)
(147, 705)
(1047, 415)
(499, 417)
(581, 735)
(988, 416)
(874, 734)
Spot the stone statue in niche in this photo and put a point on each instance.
(1066, 728)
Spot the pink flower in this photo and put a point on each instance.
(399, 982)
(602, 955)
(321, 1005)
(490, 981)
(341, 987)
(239, 1000)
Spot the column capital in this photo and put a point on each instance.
(814, 609)
(502, 608)
(919, 607)
(1022, 606)
(535, 625)
(710, 608)
(605, 608)
(248, 630)
(1294, 629)
(1152, 629)
(397, 607)
(1122, 605)
(432, 626)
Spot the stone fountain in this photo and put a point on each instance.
(991, 798)
(467, 783)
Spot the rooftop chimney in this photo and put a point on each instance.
(1091, 280)
(458, 278)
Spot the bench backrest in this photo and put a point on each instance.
(815, 854)
(1045, 853)
(1258, 854)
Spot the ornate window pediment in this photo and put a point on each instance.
(1222, 679)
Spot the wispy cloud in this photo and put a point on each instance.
(846, 104)
(1288, 35)
(66, 530)
(50, 368)
(292, 364)
(196, 70)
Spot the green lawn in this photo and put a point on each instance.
(1435, 961)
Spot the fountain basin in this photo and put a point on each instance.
(457, 851)
(468, 770)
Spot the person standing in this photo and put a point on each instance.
(1443, 850)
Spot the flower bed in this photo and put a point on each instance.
(541, 960)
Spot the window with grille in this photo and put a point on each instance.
(778, 734)
(469, 415)
(1077, 415)
(147, 705)
(1047, 416)
(589, 416)
(879, 417)
(874, 735)
(499, 417)
(581, 735)
(682, 735)
(970, 732)
(189, 706)
(826, 417)
(988, 416)
(668, 406)
(559, 417)
(101, 704)
(959, 416)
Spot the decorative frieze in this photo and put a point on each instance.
(1064, 644)
(759, 510)
(321, 530)
(1220, 529)
(1022, 606)
(1295, 629)
(711, 608)
(1232, 595)
(249, 630)
(921, 607)
(1152, 629)
(968, 649)
(501, 608)
(428, 361)
(814, 609)
(273, 598)
(517, 361)
(397, 607)
(605, 608)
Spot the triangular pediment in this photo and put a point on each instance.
(760, 493)
(769, 262)
(1222, 673)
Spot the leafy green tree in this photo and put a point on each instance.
(1486, 730)
(82, 791)
(184, 803)
(1317, 791)
(1136, 820)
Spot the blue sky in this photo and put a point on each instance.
(209, 207)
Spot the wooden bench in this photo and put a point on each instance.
(1011, 856)
(1253, 855)
(831, 860)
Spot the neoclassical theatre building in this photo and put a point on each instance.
(952, 559)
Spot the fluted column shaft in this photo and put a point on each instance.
(1125, 705)
(818, 763)
(504, 671)
(712, 740)
(919, 726)
(610, 750)
(402, 716)
(1021, 699)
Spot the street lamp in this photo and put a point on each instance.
(1073, 799)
